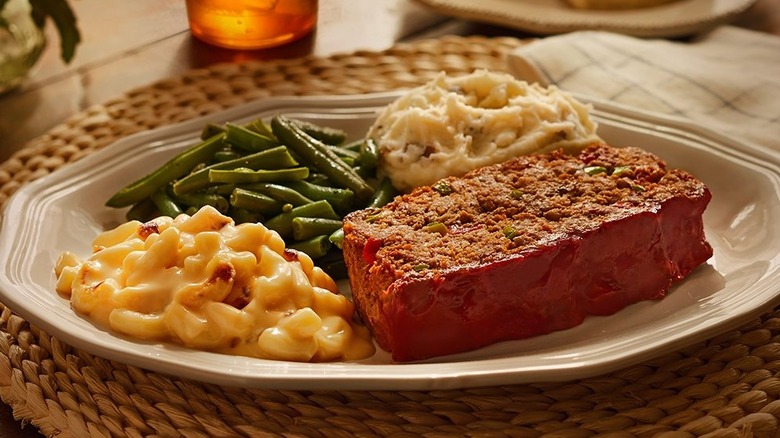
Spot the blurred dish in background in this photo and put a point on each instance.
(547, 17)
(616, 4)
(251, 24)
(21, 43)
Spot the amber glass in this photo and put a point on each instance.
(251, 24)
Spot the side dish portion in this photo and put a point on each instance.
(294, 177)
(206, 283)
(452, 125)
(523, 248)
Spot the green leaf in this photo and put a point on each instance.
(3, 23)
(64, 19)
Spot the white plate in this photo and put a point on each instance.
(680, 18)
(64, 211)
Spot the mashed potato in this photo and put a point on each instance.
(455, 124)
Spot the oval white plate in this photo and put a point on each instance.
(64, 211)
(680, 18)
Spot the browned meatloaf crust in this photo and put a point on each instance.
(523, 248)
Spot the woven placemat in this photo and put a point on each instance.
(726, 386)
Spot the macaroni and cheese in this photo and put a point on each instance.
(206, 283)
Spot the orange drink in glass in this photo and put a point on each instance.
(251, 24)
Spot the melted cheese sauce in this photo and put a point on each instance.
(208, 284)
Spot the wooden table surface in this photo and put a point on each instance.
(131, 44)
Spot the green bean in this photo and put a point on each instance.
(239, 176)
(337, 237)
(315, 247)
(165, 204)
(276, 158)
(242, 216)
(369, 154)
(325, 134)
(354, 145)
(143, 211)
(340, 199)
(225, 155)
(248, 140)
(319, 179)
(199, 200)
(344, 152)
(280, 193)
(349, 161)
(282, 223)
(220, 189)
(256, 202)
(383, 194)
(210, 130)
(320, 157)
(260, 127)
(175, 168)
(306, 227)
(364, 172)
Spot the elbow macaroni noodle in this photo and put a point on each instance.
(208, 284)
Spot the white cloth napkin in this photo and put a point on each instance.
(727, 80)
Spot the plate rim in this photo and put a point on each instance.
(342, 375)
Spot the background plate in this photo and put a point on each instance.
(548, 17)
(64, 211)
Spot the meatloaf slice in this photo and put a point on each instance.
(523, 248)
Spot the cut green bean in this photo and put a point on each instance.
(325, 134)
(142, 211)
(307, 227)
(282, 223)
(276, 158)
(349, 161)
(248, 140)
(210, 130)
(320, 156)
(253, 201)
(364, 172)
(248, 176)
(165, 204)
(241, 216)
(369, 154)
(319, 179)
(344, 152)
(175, 168)
(337, 237)
(226, 155)
(220, 189)
(315, 247)
(354, 145)
(260, 127)
(383, 194)
(199, 200)
(341, 199)
(280, 193)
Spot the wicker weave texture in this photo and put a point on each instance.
(727, 386)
